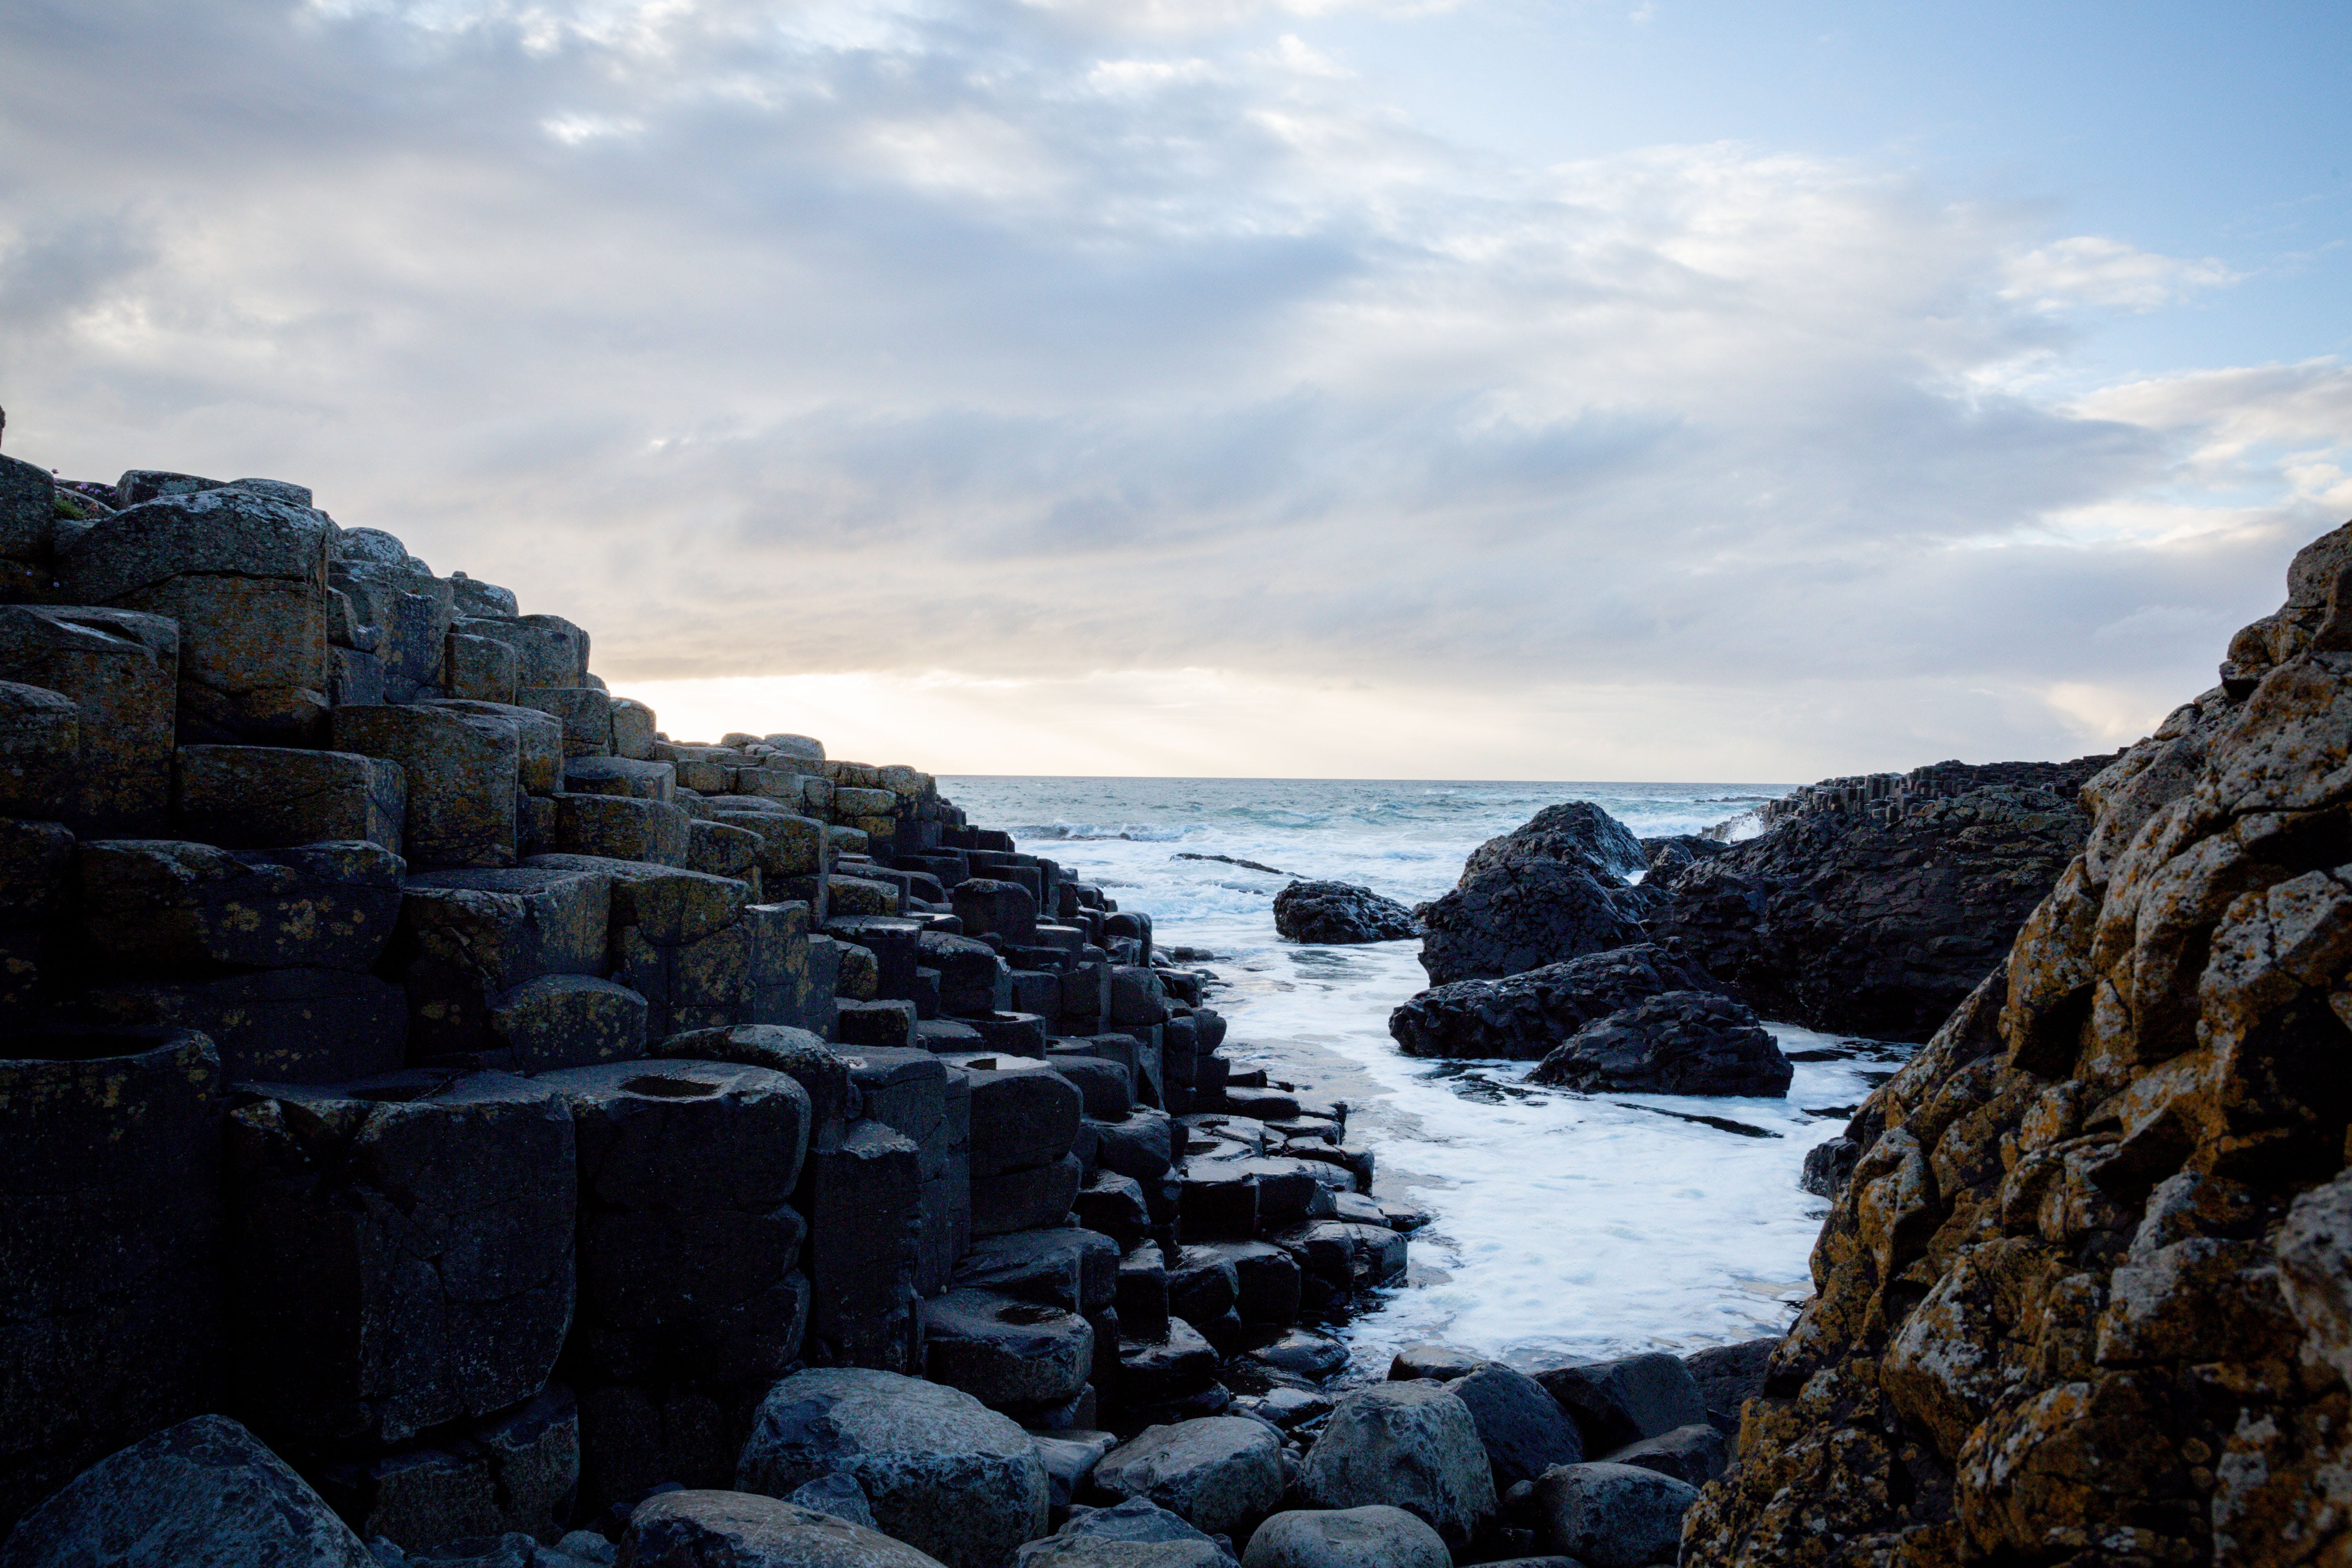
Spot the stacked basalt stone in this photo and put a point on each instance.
(408, 1050)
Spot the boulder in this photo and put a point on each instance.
(1612, 1516)
(943, 1472)
(1136, 1533)
(1216, 1474)
(1521, 914)
(1574, 833)
(1524, 1428)
(1694, 1455)
(1682, 1042)
(202, 1494)
(1070, 1460)
(1625, 1399)
(1340, 912)
(1524, 1016)
(741, 1530)
(1438, 1363)
(1008, 1354)
(1413, 1445)
(1373, 1536)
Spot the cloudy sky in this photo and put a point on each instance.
(1680, 389)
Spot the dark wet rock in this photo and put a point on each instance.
(1574, 833)
(1374, 1536)
(1437, 1364)
(1612, 1516)
(741, 1530)
(941, 1471)
(1728, 1376)
(1511, 913)
(1216, 1474)
(1525, 1015)
(1683, 1042)
(1695, 1454)
(1828, 1166)
(1667, 858)
(1340, 912)
(204, 1494)
(1136, 1533)
(1841, 923)
(1625, 1399)
(1524, 1428)
(1413, 1445)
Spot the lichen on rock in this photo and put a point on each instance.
(2083, 1299)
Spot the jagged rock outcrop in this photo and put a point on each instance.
(1549, 890)
(1340, 912)
(1666, 858)
(1679, 1042)
(1523, 1017)
(2083, 1299)
(1856, 926)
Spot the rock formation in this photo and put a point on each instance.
(1524, 1015)
(1678, 1042)
(1870, 926)
(2083, 1299)
(1552, 890)
(1340, 912)
(504, 1112)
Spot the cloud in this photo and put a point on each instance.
(1050, 348)
(2092, 270)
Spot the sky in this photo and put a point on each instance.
(1526, 389)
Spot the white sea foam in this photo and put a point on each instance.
(1561, 1224)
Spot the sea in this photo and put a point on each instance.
(1561, 1225)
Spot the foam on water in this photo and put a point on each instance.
(1561, 1224)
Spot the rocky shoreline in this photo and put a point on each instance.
(447, 1120)
(443, 1111)
(2084, 1297)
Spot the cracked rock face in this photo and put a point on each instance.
(1856, 927)
(2084, 1299)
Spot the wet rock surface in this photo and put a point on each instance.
(1679, 1042)
(1846, 924)
(1340, 912)
(1525, 1015)
(2078, 1301)
(1550, 891)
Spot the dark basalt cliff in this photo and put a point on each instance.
(1857, 925)
(2086, 1298)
